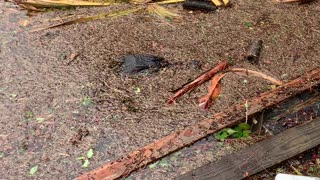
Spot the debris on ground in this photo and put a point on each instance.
(152, 7)
(221, 2)
(291, 1)
(215, 87)
(179, 139)
(199, 5)
(214, 91)
(61, 3)
(137, 63)
(253, 52)
(198, 81)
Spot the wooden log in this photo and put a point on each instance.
(177, 140)
(262, 155)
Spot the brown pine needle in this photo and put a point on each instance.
(161, 11)
(286, 1)
(170, 1)
(139, 1)
(247, 72)
(62, 3)
(90, 18)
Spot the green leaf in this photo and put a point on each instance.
(33, 170)
(29, 115)
(244, 126)
(221, 135)
(137, 90)
(86, 163)
(173, 158)
(246, 133)
(231, 131)
(238, 134)
(90, 153)
(248, 24)
(151, 166)
(86, 101)
(12, 95)
(80, 158)
(1, 154)
(163, 163)
(39, 120)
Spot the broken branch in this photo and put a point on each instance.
(247, 72)
(198, 81)
(214, 91)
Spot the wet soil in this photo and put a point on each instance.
(55, 108)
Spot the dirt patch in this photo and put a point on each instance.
(47, 99)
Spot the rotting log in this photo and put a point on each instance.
(177, 140)
(262, 155)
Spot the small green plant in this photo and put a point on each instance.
(85, 160)
(231, 61)
(248, 24)
(29, 115)
(86, 101)
(33, 170)
(137, 90)
(242, 130)
(40, 119)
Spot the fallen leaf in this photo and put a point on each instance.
(81, 158)
(33, 170)
(39, 120)
(86, 163)
(90, 153)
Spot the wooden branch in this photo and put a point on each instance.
(177, 140)
(262, 155)
(247, 72)
(198, 81)
(214, 90)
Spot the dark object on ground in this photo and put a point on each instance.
(229, 117)
(195, 64)
(254, 51)
(77, 138)
(306, 1)
(199, 5)
(134, 64)
(262, 155)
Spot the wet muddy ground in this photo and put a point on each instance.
(53, 110)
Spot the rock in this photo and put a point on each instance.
(137, 63)
(195, 64)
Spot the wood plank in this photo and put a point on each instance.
(262, 155)
(179, 139)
